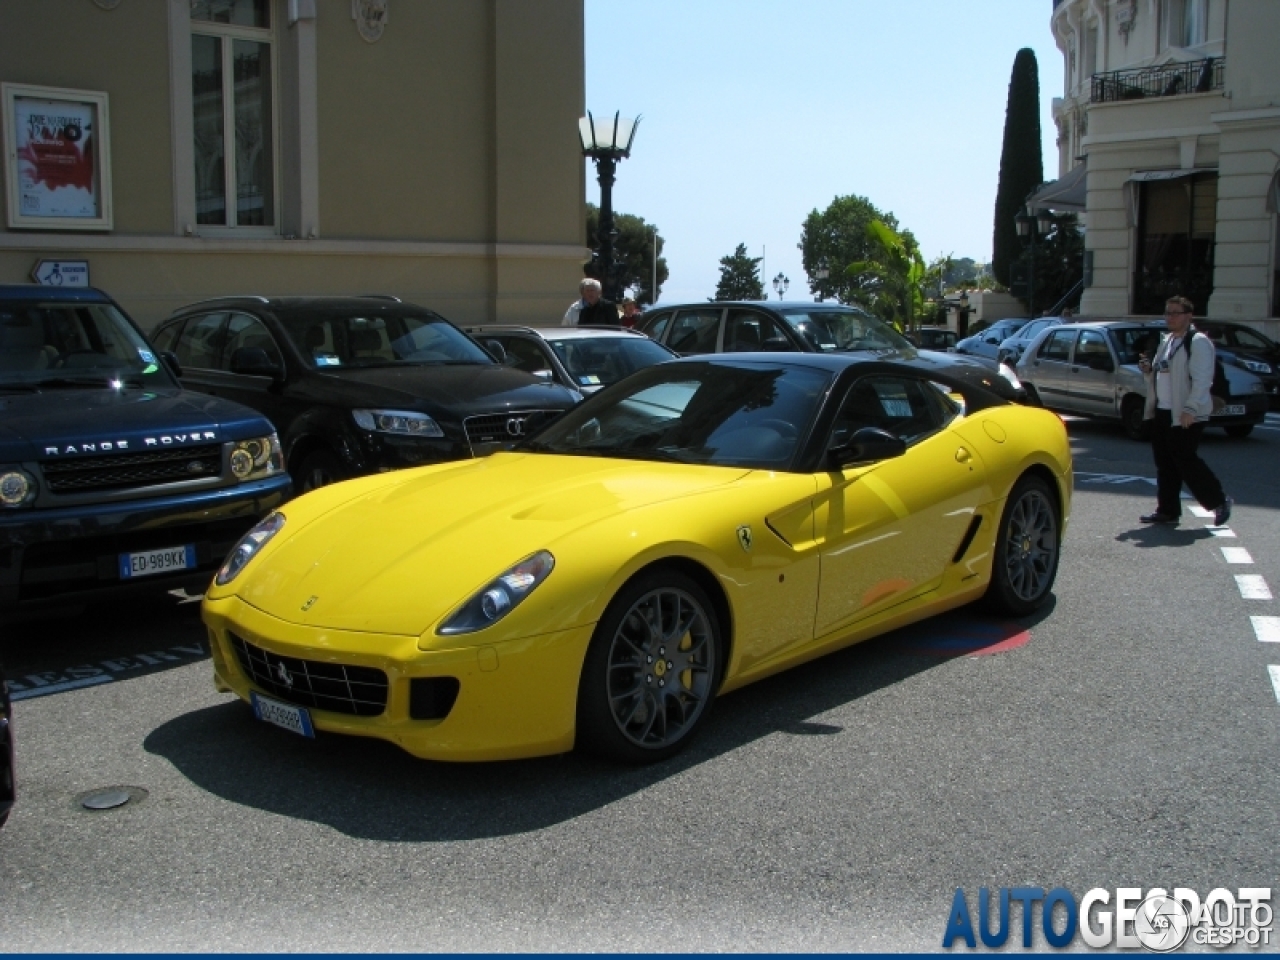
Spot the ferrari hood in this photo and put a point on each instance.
(404, 552)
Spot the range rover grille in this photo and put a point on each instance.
(132, 470)
(336, 687)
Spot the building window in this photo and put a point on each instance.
(1185, 23)
(233, 113)
(1176, 232)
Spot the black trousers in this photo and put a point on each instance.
(1177, 462)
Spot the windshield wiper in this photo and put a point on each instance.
(20, 387)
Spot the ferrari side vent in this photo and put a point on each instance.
(431, 698)
(969, 534)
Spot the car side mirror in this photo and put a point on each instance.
(1101, 363)
(866, 446)
(544, 375)
(170, 360)
(254, 362)
(496, 350)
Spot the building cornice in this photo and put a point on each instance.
(1264, 116)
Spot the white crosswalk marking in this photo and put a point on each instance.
(1275, 679)
(1252, 587)
(1266, 629)
(1236, 555)
(1201, 512)
(1222, 531)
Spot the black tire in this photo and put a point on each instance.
(1028, 545)
(318, 469)
(1239, 430)
(1131, 411)
(651, 671)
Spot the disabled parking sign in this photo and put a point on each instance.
(61, 273)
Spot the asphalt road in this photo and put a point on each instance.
(1126, 736)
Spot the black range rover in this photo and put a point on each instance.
(112, 475)
(357, 384)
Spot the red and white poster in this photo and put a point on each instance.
(58, 173)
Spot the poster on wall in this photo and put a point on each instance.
(57, 152)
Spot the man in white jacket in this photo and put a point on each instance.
(591, 308)
(1178, 404)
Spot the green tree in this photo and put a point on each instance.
(632, 254)
(740, 277)
(837, 237)
(1021, 165)
(890, 283)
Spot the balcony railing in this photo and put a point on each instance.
(1170, 80)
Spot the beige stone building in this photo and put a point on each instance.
(1169, 140)
(186, 149)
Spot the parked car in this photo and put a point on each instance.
(111, 475)
(8, 781)
(1013, 346)
(1245, 347)
(703, 524)
(986, 343)
(932, 338)
(358, 384)
(586, 359)
(1092, 369)
(807, 327)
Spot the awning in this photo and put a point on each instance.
(1066, 193)
(1146, 176)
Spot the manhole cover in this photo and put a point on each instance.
(109, 798)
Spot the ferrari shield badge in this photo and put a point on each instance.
(744, 537)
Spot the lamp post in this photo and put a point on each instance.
(780, 284)
(606, 142)
(1029, 227)
(962, 316)
(821, 274)
(653, 289)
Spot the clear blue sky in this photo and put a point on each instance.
(758, 111)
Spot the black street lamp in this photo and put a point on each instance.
(606, 142)
(821, 274)
(1029, 226)
(780, 284)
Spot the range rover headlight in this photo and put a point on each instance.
(17, 488)
(248, 548)
(257, 458)
(406, 423)
(498, 598)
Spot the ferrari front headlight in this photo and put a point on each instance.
(248, 548)
(498, 598)
(408, 423)
(257, 458)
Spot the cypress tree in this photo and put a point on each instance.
(1021, 167)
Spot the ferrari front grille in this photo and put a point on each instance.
(336, 687)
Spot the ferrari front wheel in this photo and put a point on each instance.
(651, 670)
(1027, 548)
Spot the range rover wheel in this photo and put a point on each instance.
(1239, 430)
(651, 670)
(1027, 547)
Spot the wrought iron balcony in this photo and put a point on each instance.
(1169, 80)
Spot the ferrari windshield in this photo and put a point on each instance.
(848, 329)
(53, 345)
(379, 338)
(747, 414)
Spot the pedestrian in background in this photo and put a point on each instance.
(630, 313)
(591, 308)
(1178, 404)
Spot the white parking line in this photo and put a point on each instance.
(1275, 679)
(1266, 629)
(1236, 555)
(1252, 587)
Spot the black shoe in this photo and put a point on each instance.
(1223, 513)
(1159, 517)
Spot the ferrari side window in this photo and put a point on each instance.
(907, 408)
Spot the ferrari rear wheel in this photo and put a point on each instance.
(651, 671)
(1027, 547)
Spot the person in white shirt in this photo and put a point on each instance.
(591, 308)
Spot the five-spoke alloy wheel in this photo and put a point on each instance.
(1027, 548)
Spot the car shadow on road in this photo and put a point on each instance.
(371, 789)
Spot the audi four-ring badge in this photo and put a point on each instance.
(359, 385)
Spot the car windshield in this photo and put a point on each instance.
(828, 330)
(1130, 342)
(1028, 331)
(744, 414)
(380, 338)
(51, 345)
(601, 361)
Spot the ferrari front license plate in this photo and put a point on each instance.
(284, 715)
(144, 563)
(1230, 410)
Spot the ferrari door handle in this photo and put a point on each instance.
(963, 455)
